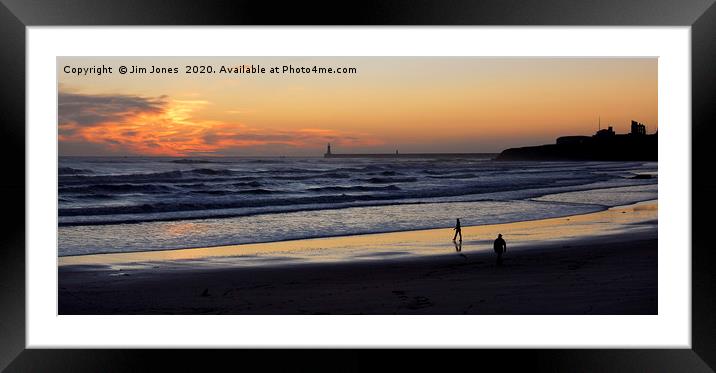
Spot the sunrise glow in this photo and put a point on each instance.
(451, 104)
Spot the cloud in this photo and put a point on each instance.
(84, 110)
(129, 124)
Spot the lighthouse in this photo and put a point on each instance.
(328, 150)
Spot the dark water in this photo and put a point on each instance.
(126, 204)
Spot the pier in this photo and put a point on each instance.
(330, 154)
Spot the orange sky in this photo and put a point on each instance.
(414, 104)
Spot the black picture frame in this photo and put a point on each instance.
(16, 15)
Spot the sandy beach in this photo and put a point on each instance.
(571, 265)
(336, 185)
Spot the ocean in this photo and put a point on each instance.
(123, 204)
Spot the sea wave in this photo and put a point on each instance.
(390, 180)
(358, 188)
(95, 189)
(72, 171)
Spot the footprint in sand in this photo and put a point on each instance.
(415, 303)
(400, 294)
(419, 302)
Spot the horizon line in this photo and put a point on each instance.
(255, 156)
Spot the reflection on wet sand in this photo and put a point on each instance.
(633, 218)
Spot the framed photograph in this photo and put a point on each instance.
(523, 183)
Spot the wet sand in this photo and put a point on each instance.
(632, 219)
(606, 272)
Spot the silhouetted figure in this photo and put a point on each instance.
(457, 230)
(500, 248)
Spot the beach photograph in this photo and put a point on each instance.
(357, 186)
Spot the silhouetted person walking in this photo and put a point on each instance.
(500, 248)
(457, 230)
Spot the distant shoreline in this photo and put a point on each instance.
(411, 155)
(343, 155)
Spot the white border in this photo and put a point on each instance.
(671, 328)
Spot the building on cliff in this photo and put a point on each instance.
(604, 145)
